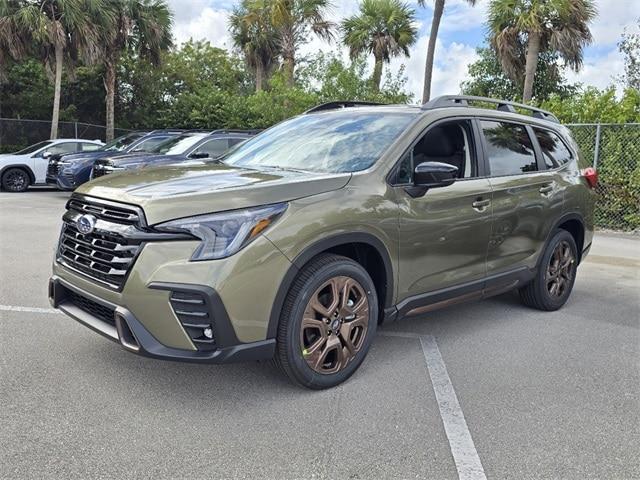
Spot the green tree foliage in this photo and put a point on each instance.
(487, 78)
(383, 28)
(140, 26)
(293, 21)
(630, 48)
(55, 32)
(254, 34)
(522, 29)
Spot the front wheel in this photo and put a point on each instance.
(551, 287)
(328, 322)
(15, 180)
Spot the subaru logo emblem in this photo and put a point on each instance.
(86, 224)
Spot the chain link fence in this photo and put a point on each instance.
(615, 152)
(16, 134)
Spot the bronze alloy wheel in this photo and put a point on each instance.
(560, 270)
(334, 325)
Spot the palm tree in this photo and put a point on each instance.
(521, 29)
(292, 20)
(438, 10)
(384, 28)
(58, 32)
(253, 33)
(142, 25)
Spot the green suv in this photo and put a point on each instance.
(298, 243)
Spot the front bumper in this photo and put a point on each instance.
(124, 328)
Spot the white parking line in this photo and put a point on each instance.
(11, 308)
(461, 444)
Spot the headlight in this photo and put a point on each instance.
(223, 234)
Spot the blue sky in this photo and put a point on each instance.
(462, 30)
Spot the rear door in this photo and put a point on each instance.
(526, 196)
(445, 232)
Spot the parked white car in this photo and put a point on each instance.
(29, 166)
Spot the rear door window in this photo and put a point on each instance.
(554, 151)
(509, 148)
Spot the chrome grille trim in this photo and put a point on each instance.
(107, 254)
(107, 212)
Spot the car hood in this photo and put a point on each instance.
(134, 158)
(173, 192)
(83, 156)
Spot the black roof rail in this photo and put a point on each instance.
(342, 104)
(502, 105)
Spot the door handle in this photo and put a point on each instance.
(546, 189)
(481, 205)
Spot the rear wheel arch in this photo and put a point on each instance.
(574, 224)
(364, 248)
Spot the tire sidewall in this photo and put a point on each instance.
(550, 302)
(26, 183)
(302, 371)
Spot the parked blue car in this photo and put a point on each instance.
(69, 171)
(191, 146)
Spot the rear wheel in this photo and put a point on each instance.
(328, 322)
(552, 286)
(15, 180)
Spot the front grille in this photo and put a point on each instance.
(105, 314)
(53, 169)
(106, 254)
(109, 212)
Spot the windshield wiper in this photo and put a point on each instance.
(285, 169)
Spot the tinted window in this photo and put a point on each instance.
(177, 145)
(33, 148)
(214, 148)
(342, 141)
(120, 143)
(509, 148)
(90, 147)
(68, 147)
(554, 151)
(149, 144)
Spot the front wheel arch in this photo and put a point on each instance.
(331, 245)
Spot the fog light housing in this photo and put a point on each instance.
(208, 332)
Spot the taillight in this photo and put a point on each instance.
(591, 176)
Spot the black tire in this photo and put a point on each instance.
(15, 180)
(290, 352)
(539, 293)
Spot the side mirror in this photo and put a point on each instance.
(431, 175)
(46, 155)
(434, 175)
(198, 155)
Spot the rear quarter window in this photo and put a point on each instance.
(554, 150)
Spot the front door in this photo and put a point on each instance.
(443, 234)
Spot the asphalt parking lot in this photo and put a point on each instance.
(488, 389)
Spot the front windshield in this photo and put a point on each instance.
(330, 142)
(33, 148)
(121, 143)
(177, 145)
